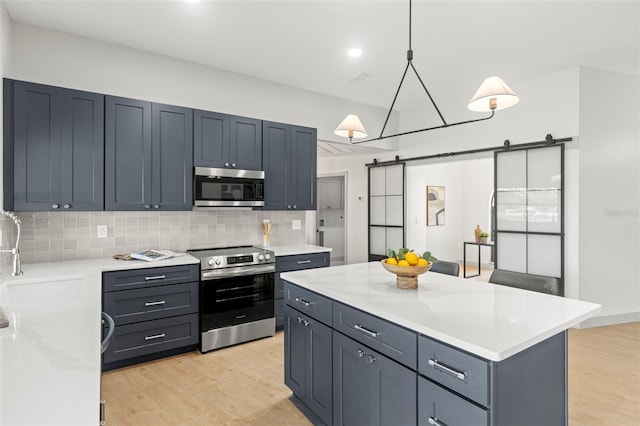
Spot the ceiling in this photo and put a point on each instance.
(303, 43)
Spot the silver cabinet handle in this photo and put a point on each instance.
(457, 374)
(147, 206)
(233, 164)
(55, 206)
(303, 321)
(112, 327)
(156, 336)
(371, 359)
(160, 302)
(66, 206)
(288, 207)
(360, 353)
(156, 206)
(295, 207)
(155, 277)
(304, 302)
(436, 422)
(303, 262)
(226, 164)
(366, 331)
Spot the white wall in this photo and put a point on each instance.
(61, 59)
(609, 246)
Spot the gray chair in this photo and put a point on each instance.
(539, 283)
(444, 267)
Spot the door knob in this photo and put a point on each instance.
(66, 206)
(147, 206)
(233, 164)
(55, 206)
(226, 164)
(156, 206)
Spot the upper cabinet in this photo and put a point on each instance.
(227, 141)
(148, 155)
(53, 148)
(289, 159)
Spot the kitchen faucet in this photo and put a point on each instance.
(14, 251)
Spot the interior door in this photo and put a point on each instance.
(386, 209)
(529, 210)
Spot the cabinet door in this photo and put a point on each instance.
(127, 154)
(210, 139)
(82, 150)
(294, 352)
(393, 392)
(37, 149)
(304, 159)
(245, 145)
(319, 392)
(172, 159)
(351, 385)
(276, 145)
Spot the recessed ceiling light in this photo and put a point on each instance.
(354, 53)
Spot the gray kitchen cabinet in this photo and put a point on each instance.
(53, 148)
(293, 263)
(227, 141)
(308, 362)
(369, 388)
(148, 155)
(155, 311)
(290, 164)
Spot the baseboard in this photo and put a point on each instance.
(604, 320)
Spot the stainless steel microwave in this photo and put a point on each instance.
(214, 187)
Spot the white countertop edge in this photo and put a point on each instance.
(298, 249)
(472, 348)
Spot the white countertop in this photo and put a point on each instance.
(298, 249)
(491, 321)
(50, 353)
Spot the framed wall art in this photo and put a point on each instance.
(435, 205)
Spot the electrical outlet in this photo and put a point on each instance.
(296, 224)
(102, 231)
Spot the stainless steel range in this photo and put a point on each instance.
(236, 295)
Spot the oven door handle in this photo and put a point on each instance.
(218, 274)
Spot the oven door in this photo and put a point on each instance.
(239, 299)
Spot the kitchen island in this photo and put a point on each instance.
(450, 352)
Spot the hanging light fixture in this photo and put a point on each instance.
(494, 94)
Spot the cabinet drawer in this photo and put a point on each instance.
(149, 277)
(146, 304)
(454, 369)
(308, 302)
(438, 406)
(152, 336)
(390, 339)
(302, 261)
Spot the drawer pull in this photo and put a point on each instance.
(159, 302)
(360, 353)
(304, 302)
(373, 334)
(457, 374)
(155, 336)
(303, 262)
(303, 321)
(371, 359)
(435, 422)
(155, 277)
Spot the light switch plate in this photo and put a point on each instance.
(102, 231)
(296, 224)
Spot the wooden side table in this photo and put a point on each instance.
(464, 256)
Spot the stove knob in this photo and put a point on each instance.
(218, 261)
(260, 257)
(267, 256)
(210, 262)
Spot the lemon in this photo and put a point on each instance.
(391, 261)
(412, 258)
(422, 262)
(403, 263)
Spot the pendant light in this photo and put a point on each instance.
(494, 94)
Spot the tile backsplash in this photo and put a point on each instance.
(53, 236)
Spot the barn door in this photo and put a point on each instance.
(386, 209)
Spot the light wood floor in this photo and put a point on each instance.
(243, 385)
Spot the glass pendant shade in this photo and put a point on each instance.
(351, 127)
(493, 94)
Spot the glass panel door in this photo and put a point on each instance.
(386, 210)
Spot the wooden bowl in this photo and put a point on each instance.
(406, 276)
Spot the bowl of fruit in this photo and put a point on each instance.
(407, 265)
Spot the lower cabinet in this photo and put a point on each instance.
(369, 388)
(307, 353)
